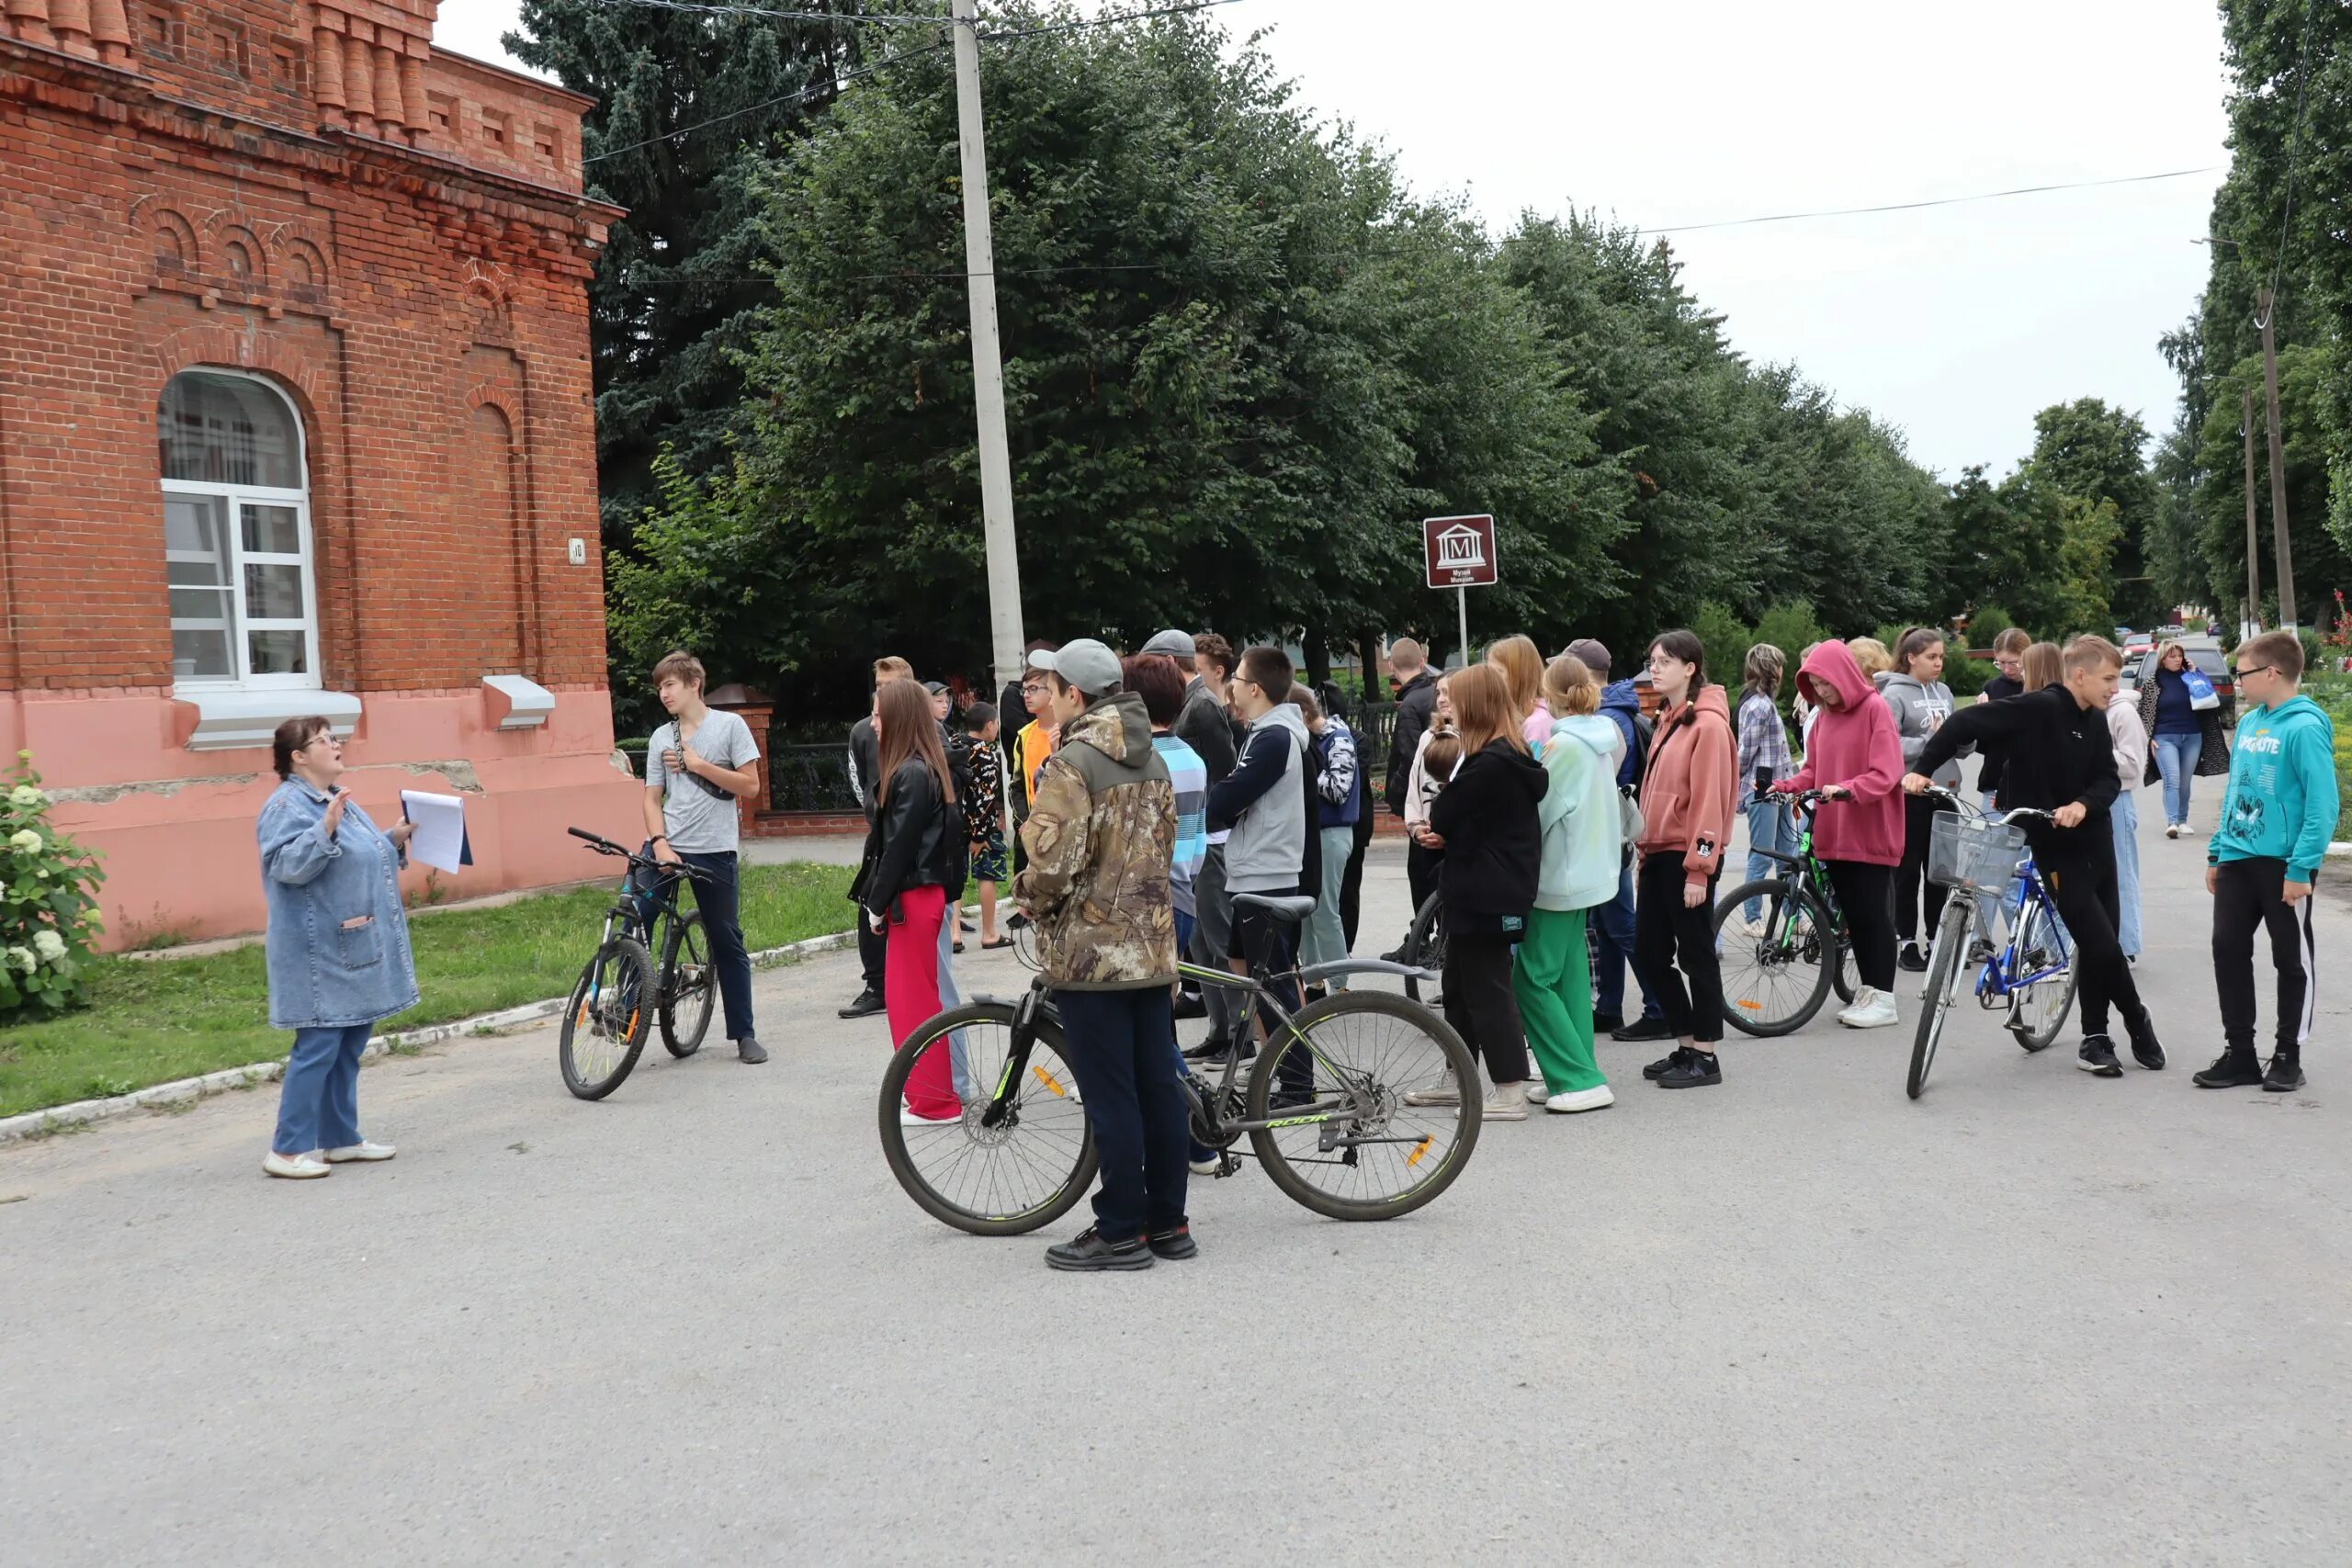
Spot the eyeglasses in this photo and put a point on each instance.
(2242, 671)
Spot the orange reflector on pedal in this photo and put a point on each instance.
(1048, 1079)
(1420, 1150)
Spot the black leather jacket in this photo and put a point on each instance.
(912, 841)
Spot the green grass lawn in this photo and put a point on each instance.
(155, 1020)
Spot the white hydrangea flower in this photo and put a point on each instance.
(21, 958)
(24, 839)
(28, 795)
(49, 945)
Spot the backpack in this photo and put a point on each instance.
(1630, 821)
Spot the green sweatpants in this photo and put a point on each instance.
(1554, 980)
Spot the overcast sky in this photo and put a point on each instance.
(1953, 324)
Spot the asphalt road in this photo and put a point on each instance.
(2035, 1317)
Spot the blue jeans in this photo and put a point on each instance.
(2176, 759)
(319, 1106)
(2125, 814)
(1613, 950)
(1770, 827)
(1118, 1049)
(719, 896)
(959, 1050)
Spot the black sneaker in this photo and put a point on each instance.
(1910, 958)
(868, 1003)
(1698, 1069)
(1189, 1005)
(1667, 1064)
(1089, 1253)
(1175, 1243)
(1980, 952)
(1608, 1022)
(2284, 1077)
(1215, 1051)
(2098, 1057)
(750, 1050)
(1641, 1029)
(2146, 1049)
(2230, 1069)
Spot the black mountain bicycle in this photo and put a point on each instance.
(622, 993)
(1362, 1105)
(1779, 966)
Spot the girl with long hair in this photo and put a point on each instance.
(912, 850)
(1582, 846)
(1764, 760)
(1522, 668)
(1921, 702)
(2044, 668)
(1686, 795)
(1485, 822)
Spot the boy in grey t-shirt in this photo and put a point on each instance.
(697, 766)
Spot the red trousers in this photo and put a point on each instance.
(911, 991)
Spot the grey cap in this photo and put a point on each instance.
(1086, 664)
(1175, 644)
(1595, 657)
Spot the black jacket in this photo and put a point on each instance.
(916, 842)
(864, 761)
(1202, 724)
(1993, 759)
(2058, 753)
(1494, 845)
(1416, 706)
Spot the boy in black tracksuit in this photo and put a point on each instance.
(2060, 758)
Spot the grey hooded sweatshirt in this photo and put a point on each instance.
(1920, 708)
(1264, 803)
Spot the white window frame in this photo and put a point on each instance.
(237, 497)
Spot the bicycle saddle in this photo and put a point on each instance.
(1281, 906)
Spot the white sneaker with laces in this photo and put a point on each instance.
(1536, 1093)
(362, 1150)
(1872, 1009)
(1597, 1098)
(294, 1167)
(1447, 1092)
(1507, 1103)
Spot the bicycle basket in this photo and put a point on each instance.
(1974, 853)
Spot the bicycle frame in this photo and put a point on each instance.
(2000, 980)
(1812, 878)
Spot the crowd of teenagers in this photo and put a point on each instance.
(1569, 825)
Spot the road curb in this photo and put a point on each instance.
(186, 1091)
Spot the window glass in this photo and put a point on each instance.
(228, 430)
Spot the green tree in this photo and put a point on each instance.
(2092, 452)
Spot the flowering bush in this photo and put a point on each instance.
(49, 907)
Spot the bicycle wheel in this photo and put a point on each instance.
(1425, 944)
(2036, 1012)
(608, 1019)
(1841, 974)
(1357, 1054)
(1944, 972)
(1775, 971)
(688, 983)
(1020, 1154)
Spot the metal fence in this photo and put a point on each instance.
(810, 778)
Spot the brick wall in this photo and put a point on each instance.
(193, 195)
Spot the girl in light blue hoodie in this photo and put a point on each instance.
(1583, 850)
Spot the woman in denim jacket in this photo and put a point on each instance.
(338, 947)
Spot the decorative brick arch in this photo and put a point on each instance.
(299, 261)
(170, 232)
(252, 350)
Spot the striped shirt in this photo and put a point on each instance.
(1190, 776)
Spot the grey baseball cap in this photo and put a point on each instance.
(1595, 657)
(1086, 664)
(1175, 644)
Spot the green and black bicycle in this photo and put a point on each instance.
(1362, 1105)
(1783, 957)
(623, 992)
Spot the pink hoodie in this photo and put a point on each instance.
(1855, 748)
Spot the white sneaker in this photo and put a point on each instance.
(1507, 1103)
(2172, 829)
(1536, 1093)
(1203, 1166)
(1598, 1099)
(1447, 1092)
(294, 1167)
(1872, 1009)
(910, 1117)
(362, 1150)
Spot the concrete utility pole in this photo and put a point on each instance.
(2252, 623)
(988, 366)
(2277, 466)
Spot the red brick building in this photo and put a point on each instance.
(294, 418)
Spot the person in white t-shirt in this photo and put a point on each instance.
(698, 765)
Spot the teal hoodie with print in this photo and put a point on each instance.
(1582, 845)
(2282, 801)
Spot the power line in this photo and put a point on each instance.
(834, 84)
(1107, 21)
(1938, 201)
(845, 19)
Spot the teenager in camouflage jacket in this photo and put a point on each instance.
(1100, 837)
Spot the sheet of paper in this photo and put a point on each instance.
(440, 838)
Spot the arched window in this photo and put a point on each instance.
(237, 533)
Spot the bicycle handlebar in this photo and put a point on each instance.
(1937, 792)
(605, 846)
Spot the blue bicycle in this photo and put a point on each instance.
(1979, 858)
